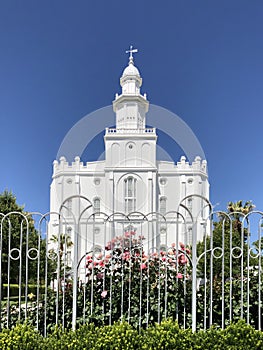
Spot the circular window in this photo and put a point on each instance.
(97, 182)
(96, 230)
(163, 181)
(163, 230)
(69, 181)
(130, 146)
(190, 181)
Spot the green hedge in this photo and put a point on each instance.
(167, 335)
(14, 290)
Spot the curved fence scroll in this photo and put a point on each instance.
(201, 269)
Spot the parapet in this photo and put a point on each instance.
(62, 166)
(198, 165)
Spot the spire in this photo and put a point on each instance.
(131, 51)
(131, 70)
(130, 106)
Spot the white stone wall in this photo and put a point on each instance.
(130, 153)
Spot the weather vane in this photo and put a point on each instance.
(131, 51)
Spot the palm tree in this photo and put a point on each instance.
(238, 207)
(63, 242)
(238, 211)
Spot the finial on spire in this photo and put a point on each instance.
(131, 51)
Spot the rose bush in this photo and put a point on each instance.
(125, 283)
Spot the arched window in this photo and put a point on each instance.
(68, 205)
(96, 205)
(130, 194)
(190, 203)
(162, 205)
(190, 235)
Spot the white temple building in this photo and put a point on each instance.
(143, 192)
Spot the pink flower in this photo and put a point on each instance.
(108, 246)
(182, 245)
(101, 263)
(170, 252)
(99, 276)
(183, 260)
(143, 266)
(126, 256)
(179, 275)
(104, 294)
(89, 258)
(173, 245)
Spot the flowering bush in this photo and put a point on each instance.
(126, 283)
(123, 283)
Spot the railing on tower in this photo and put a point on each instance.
(130, 131)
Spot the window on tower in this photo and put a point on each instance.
(130, 194)
(162, 205)
(68, 206)
(96, 205)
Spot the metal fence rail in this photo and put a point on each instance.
(60, 269)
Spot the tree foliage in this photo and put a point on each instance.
(18, 237)
(226, 248)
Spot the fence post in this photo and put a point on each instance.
(75, 278)
(194, 275)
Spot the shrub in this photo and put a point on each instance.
(122, 336)
(14, 290)
(125, 283)
(22, 336)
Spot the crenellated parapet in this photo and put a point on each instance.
(61, 166)
(198, 164)
(182, 166)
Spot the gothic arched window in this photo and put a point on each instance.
(68, 207)
(130, 194)
(96, 205)
(162, 205)
(190, 203)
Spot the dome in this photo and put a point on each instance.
(131, 70)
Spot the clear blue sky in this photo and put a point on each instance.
(60, 60)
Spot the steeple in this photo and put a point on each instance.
(130, 107)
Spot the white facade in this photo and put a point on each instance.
(130, 179)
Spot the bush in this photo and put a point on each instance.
(22, 336)
(122, 336)
(14, 290)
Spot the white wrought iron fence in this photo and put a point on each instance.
(60, 269)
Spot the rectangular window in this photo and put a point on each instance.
(162, 205)
(96, 205)
(69, 207)
(130, 194)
